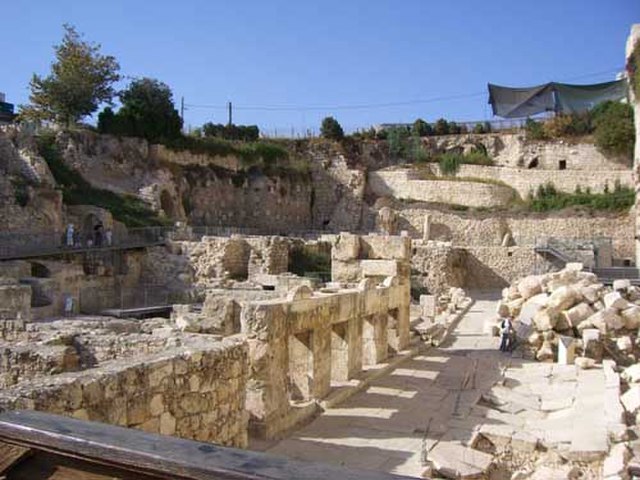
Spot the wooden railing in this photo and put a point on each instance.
(95, 450)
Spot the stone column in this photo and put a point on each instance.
(340, 352)
(374, 339)
(633, 39)
(426, 228)
(321, 373)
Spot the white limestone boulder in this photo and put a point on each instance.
(545, 319)
(529, 286)
(577, 314)
(616, 300)
(531, 306)
(632, 374)
(584, 363)
(545, 353)
(616, 462)
(631, 317)
(631, 399)
(624, 344)
(563, 298)
(621, 284)
(592, 293)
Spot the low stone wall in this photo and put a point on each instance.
(526, 180)
(196, 391)
(401, 185)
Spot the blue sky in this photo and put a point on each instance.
(329, 53)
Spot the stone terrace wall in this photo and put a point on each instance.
(196, 392)
(525, 180)
(478, 229)
(403, 185)
(632, 41)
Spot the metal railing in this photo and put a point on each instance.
(14, 245)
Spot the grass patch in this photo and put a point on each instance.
(267, 157)
(127, 209)
(547, 198)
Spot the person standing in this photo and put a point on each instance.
(69, 239)
(506, 333)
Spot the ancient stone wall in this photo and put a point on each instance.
(526, 181)
(481, 229)
(515, 151)
(303, 345)
(196, 391)
(402, 184)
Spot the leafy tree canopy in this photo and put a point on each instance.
(331, 129)
(81, 79)
(147, 111)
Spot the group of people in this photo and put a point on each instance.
(99, 237)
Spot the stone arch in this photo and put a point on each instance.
(38, 270)
(167, 204)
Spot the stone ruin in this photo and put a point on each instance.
(260, 362)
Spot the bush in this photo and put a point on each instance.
(614, 130)
(331, 129)
(450, 163)
(534, 130)
(245, 133)
(633, 70)
(398, 138)
(547, 198)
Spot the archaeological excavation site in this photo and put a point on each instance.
(434, 301)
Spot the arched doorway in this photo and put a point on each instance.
(88, 226)
(167, 204)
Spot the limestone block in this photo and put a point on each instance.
(573, 267)
(514, 306)
(545, 353)
(577, 314)
(631, 317)
(529, 286)
(632, 374)
(615, 463)
(566, 350)
(624, 343)
(531, 307)
(631, 399)
(428, 304)
(299, 292)
(544, 319)
(535, 340)
(615, 300)
(563, 298)
(584, 362)
(621, 284)
(346, 247)
(592, 293)
(379, 268)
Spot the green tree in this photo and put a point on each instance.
(420, 128)
(441, 127)
(147, 111)
(331, 129)
(81, 79)
(614, 131)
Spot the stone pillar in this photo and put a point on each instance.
(301, 366)
(355, 346)
(426, 228)
(374, 339)
(632, 41)
(340, 352)
(566, 350)
(321, 373)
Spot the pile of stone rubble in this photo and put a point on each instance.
(564, 314)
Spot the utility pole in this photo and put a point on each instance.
(230, 114)
(182, 109)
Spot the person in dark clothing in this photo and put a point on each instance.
(97, 234)
(506, 334)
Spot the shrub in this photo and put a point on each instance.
(331, 129)
(245, 133)
(633, 69)
(397, 138)
(614, 129)
(417, 152)
(534, 129)
(548, 198)
(478, 128)
(450, 163)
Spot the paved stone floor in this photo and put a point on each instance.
(437, 401)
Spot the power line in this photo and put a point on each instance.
(370, 106)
